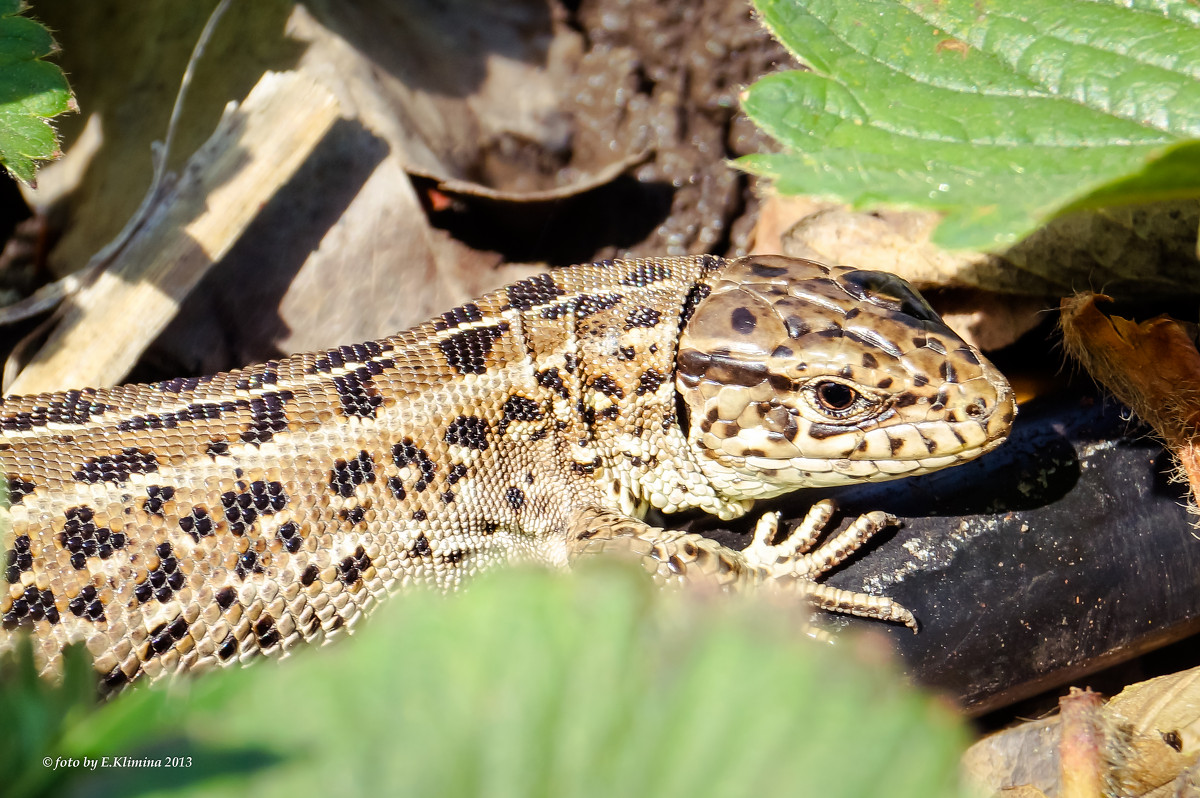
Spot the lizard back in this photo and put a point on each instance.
(205, 520)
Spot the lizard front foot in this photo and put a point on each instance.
(795, 562)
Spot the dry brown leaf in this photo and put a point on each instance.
(1141, 250)
(898, 242)
(1145, 741)
(1152, 367)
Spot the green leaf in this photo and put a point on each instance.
(31, 92)
(1000, 115)
(34, 716)
(536, 684)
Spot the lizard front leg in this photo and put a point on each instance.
(676, 557)
(794, 558)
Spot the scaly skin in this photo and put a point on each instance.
(200, 522)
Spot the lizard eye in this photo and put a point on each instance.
(832, 400)
(835, 397)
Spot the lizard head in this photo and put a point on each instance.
(796, 374)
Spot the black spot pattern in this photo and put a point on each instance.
(357, 393)
(743, 321)
(649, 382)
(457, 472)
(19, 559)
(18, 489)
(353, 353)
(421, 547)
(515, 497)
(32, 606)
(519, 408)
(158, 496)
(350, 570)
(180, 384)
(407, 452)
(608, 386)
(193, 412)
(116, 467)
(164, 636)
(247, 564)
(587, 469)
(217, 449)
(533, 291)
(763, 270)
(265, 631)
(796, 327)
(197, 523)
(642, 317)
(268, 376)
(225, 597)
(310, 575)
(354, 515)
(468, 431)
(229, 647)
(87, 605)
(644, 274)
(552, 380)
(242, 509)
(696, 295)
(267, 417)
(461, 315)
(164, 579)
(587, 305)
(348, 475)
(84, 539)
(397, 488)
(72, 407)
(289, 536)
(466, 352)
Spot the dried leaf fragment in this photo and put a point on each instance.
(1153, 367)
(1081, 767)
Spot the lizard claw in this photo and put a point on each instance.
(796, 560)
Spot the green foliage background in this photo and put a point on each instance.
(1000, 114)
(529, 684)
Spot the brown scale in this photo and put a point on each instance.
(205, 521)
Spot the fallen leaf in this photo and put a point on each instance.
(1152, 367)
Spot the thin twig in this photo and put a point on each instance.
(52, 294)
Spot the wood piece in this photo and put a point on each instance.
(256, 147)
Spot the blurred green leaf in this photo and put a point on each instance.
(1000, 115)
(34, 716)
(538, 684)
(32, 91)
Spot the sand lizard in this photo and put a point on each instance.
(203, 521)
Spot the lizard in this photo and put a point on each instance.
(205, 521)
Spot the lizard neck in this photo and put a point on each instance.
(624, 428)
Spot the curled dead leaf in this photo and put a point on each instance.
(1153, 367)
